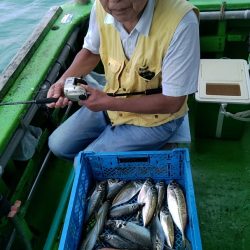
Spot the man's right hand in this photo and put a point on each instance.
(56, 91)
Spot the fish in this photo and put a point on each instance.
(127, 192)
(91, 238)
(148, 209)
(177, 207)
(114, 186)
(157, 234)
(160, 186)
(167, 226)
(119, 242)
(131, 231)
(126, 209)
(96, 198)
(145, 187)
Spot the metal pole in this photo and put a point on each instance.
(226, 15)
(59, 212)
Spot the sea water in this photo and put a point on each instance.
(18, 18)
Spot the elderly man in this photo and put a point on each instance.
(150, 47)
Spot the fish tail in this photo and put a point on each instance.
(138, 215)
(183, 241)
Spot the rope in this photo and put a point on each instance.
(243, 116)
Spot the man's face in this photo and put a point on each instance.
(124, 10)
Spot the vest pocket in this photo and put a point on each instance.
(154, 82)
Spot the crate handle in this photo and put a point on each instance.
(133, 159)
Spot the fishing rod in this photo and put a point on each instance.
(37, 101)
(74, 92)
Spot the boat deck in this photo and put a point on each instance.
(221, 176)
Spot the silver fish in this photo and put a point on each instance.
(114, 186)
(167, 226)
(177, 207)
(126, 209)
(127, 192)
(96, 199)
(131, 231)
(90, 240)
(145, 187)
(157, 234)
(160, 186)
(148, 209)
(119, 242)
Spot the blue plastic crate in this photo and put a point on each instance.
(139, 165)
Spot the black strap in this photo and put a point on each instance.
(106, 117)
(146, 92)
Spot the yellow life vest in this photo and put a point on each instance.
(122, 75)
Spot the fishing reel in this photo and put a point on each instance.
(72, 89)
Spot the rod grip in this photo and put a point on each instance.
(46, 100)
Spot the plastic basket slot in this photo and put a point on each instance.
(133, 159)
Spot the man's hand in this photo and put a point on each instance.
(56, 91)
(84, 62)
(97, 100)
